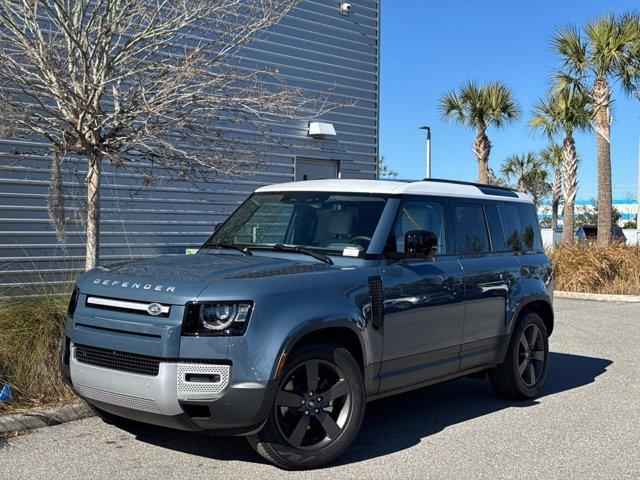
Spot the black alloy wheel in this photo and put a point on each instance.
(531, 353)
(313, 405)
(522, 373)
(317, 410)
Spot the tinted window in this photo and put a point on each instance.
(470, 229)
(418, 215)
(495, 228)
(521, 229)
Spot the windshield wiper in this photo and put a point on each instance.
(228, 245)
(278, 247)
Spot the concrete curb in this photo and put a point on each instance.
(44, 418)
(600, 297)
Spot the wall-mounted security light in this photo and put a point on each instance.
(345, 8)
(321, 130)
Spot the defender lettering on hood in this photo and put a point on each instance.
(135, 285)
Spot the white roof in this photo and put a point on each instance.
(391, 187)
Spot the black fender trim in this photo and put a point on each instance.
(523, 305)
(527, 301)
(318, 326)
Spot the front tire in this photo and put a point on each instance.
(318, 408)
(523, 371)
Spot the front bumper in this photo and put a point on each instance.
(171, 399)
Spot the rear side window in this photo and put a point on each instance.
(495, 228)
(521, 230)
(470, 227)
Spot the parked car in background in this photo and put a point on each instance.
(311, 299)
(589, 233)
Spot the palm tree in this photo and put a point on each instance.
(519, 167)
(530, 175)
(631, 71)
(480, 107)
(565, 111)
(552, 157)
(597, 57)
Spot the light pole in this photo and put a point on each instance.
(428, 166)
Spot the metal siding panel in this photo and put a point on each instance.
(314, 48)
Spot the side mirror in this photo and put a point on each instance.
(420, 244)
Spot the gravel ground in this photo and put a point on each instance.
(586, 424)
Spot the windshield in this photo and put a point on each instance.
(331, 223)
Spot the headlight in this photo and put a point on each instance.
(216, 319)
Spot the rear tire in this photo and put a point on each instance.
(523, 371)
(306, 431)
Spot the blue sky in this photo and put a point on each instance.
(429, 47)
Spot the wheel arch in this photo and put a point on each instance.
(540, 305)
(346, 334)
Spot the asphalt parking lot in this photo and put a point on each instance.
(586, 424)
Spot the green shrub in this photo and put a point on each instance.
(30, 333)
(587, 267)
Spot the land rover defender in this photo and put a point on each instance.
(311, 299)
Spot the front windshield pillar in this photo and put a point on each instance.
(383, 229)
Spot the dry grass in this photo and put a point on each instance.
(594, 269)
(30, 333)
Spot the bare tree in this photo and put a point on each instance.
(384, 170)
(153, 86)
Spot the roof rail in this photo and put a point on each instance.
(474, 184)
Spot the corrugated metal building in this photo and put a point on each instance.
(315, 47)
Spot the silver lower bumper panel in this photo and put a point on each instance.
(120, 399)
(158, 394)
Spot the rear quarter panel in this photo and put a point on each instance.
(536, 284)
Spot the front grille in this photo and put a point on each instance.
(127, 306)
(115, 360)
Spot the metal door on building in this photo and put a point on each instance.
(314, 169)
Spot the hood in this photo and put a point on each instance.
(183, 277)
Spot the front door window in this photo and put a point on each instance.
(418, 215)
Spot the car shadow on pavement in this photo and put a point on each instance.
(399, 422)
